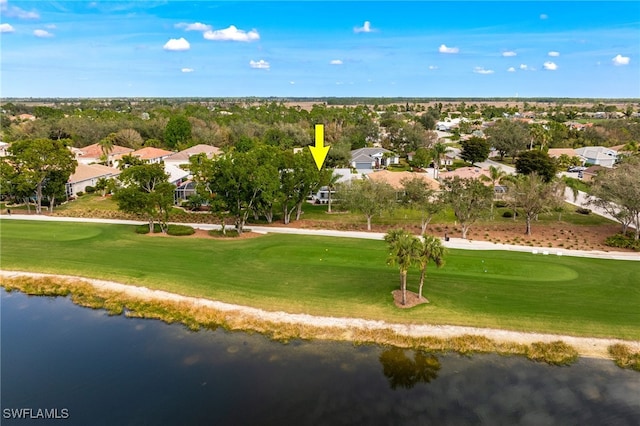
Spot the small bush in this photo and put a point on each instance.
(79, 193)
(582, 210)
(508, 213)
(89, 189)
(174, 230)
(180, 230)
(229, 233)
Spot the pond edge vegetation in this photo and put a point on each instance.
(196, 317)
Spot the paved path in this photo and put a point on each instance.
(458, 243)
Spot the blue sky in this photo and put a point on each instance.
(363, 48)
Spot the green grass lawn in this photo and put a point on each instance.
(343, 277)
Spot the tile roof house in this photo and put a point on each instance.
(88, 175)
(149, 154)
(557, 152)
(366, 160)
(395, 178)
(95, 154)
(182, 157)
(465, 173)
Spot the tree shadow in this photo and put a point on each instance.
(405, 371)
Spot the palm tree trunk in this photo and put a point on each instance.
(329, 208)
(423, 269)
(403, 280)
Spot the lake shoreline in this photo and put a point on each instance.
(200, 312)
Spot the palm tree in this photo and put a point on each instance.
(438, 150)
(496, 175)
(106, 145)
(430, 249)
(403, 248)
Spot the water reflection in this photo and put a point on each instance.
(406, 371)
(113, 370)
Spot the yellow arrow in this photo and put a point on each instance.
(319, 152)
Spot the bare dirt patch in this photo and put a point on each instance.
(412, 299)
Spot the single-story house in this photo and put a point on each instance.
(88, 175)
(149, 154)
(176, 174)
(395, 179)
(366, 160)
(465, 173)
(598, 155)
(182, 157)
(95, 154)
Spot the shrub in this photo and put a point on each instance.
(180, 230)
(557, 353)
(80, 193)
(509, 213)
(582, 210)
(175, 230)
(623, 241)
(89, 189)
(500, 204)
(624, 357)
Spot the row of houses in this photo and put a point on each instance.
(90, 169)
(593, 155)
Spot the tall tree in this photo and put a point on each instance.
(418, 196)
(496, 175)
(468, 198)
(298, 178)
(145, 191)
(178, 131)
(430, 250)
(534, 195)
(403, 249)
(438, 150)
(617, 191)
(475, 150)
(537, 162)
(37, 159)
(508, 137)
(370, 198)
(331, 182)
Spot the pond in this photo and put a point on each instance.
(88, 368)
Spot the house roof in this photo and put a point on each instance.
(395, 178)
(95, 151)
(91, 171)
(557, 152)
(369, 152)
(465, 173)
(175, 173)
(194, 150)
(150, 153)
(597, 152)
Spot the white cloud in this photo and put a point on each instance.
(261, 64)
(336, 62)
(6, 28)
(42, 33)
(481, 70)
(551, 66)
(196, 26)
(433, 67)
(365, 28)
(177, 44)
(511, 69)
(544, 16)
(619, 60)
(187, 70)
(509, 53)
(444, 49)
(292, 82)
(554, 53)
(232, 34)
(16, 12)
(524, 67)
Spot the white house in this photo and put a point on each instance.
(88, 175)
(598, 155)
(366, 160)
(322, 195)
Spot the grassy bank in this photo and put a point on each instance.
(343, 277)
